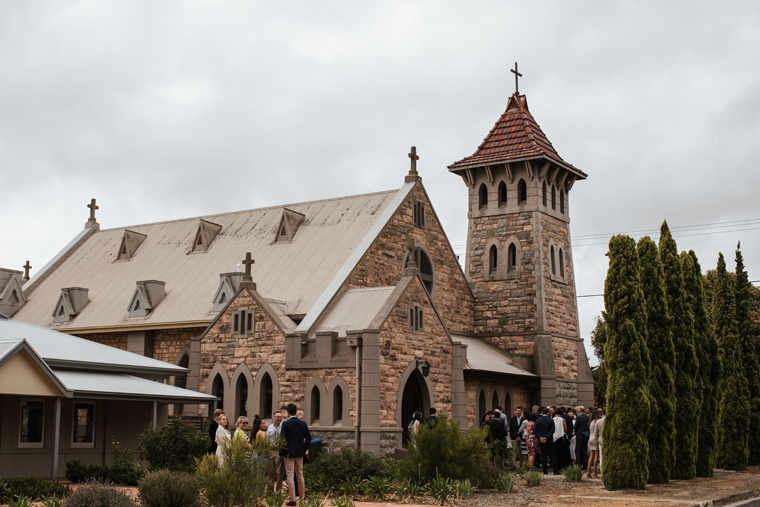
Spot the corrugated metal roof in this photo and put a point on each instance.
(355, 310)
(58, 349)
(483, 357)
(121, 385)
(297, 272)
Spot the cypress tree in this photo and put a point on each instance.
(626, 452)
(743, 301)
(733, 409)
(661, 433)
(709, 370)
(687, 403)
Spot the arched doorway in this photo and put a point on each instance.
(415, 397)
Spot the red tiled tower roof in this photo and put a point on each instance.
(516, 136)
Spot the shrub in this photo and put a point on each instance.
(239, 479)
(505, 482)
(53, 501)
(407, 489)
(123, 470)
(464, 488)
(342, 501)
(98, 494)
(164, 488)
(31, 487)
(20, 501)
(533, 478)
(314, 501)
(275, 499)
(174, 447)
(442, 450)
(377, 488)
(573, 473)
(340, 466)
(443, 490)
(353, 486)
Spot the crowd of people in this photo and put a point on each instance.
(291, 436)
(550, 436)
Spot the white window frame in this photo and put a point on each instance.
(32, 445)
(80, 445)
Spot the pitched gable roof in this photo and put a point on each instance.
(515, 136)
(300, 273)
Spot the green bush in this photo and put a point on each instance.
(505, 482)
(239, 478)
(464, 488)
(174, 447)
(31, 487)
(443, 490)
(98, 494)
(20, 501)
(123, 470)
(330, 470)
(353, 486)
(533, 478)
(443, 450)
(342, 501)
(164, 488)
(407, 489)
(377, 488)
(573, 473)
(53, 501)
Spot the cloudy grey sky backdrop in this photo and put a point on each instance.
(163, 110)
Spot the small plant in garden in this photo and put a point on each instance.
(464, 488)
(573, 473)
(505, 482)
(317, 482)
(533, 478)
(337, 467)
(314, 501)
(164, 488)
(20, 501)
(377, 488)
(342, 501)
(407, 489)
(353, 486)
(96, 494)
(276, 499)
(52, 501)
(32, 487)
(443, 490)
(173, 447)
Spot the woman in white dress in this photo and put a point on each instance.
(593, 445)
(222, 436)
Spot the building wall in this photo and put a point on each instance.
(510, 391)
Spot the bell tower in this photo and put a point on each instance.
(519, 260)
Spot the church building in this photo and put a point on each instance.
(356, 308)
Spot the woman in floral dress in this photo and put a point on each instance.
(531, 441)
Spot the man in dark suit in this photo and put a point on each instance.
(433, 417)
(297, 439)
(582, 435)
(545, 435)
(212, 430)
(514, 435)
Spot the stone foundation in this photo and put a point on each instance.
(567, 393)
(334, 441)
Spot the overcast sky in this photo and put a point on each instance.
(163, 110)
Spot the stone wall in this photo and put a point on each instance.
(168, 343)
(334, 441)
(382, 266)
(519, 390)
(565, 358)
(117, 340)
(567, 393)
(559, 292)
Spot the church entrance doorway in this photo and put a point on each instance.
(415, 397)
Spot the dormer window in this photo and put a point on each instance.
(146, 297)
(290, 221)
(11, 295)
(130, 242)
(70, 304)
(204, 236)
(229, 284)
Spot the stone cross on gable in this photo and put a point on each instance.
(517, 75)
(248, 262)
(27, 267)
(92, 207)
(413, 155)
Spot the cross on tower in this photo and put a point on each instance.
(248, 261)
(92, 207)
(27, 267)
(415, 158)
(517, 75)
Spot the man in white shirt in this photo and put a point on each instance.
(275, 460)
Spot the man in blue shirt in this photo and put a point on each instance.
(545, 436)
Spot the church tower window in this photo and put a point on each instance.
(483, 196)
(554, 197)
(561, 200)
(493, 259)
(561, 263)
(553, 260)
(512, 258)
(522, 191)
(502, 194)
(543, 192)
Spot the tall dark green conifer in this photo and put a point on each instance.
(743, 301)
(626, 452)
(733, 410)
(661, 433)
(709, 365)
(687, 402)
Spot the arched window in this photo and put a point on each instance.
(241, 395)
(316, 404)
(265, 396)
(553, 260)
(482, 196)
(502, 194)
(512, 257)
(561, 200)
(554, 197)
(561, 263)
(495, 399)
(522, 191)
(543, 193)
(481, 405)
(425, 265)
(338, 405)
(493, 259)
(218, 391)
